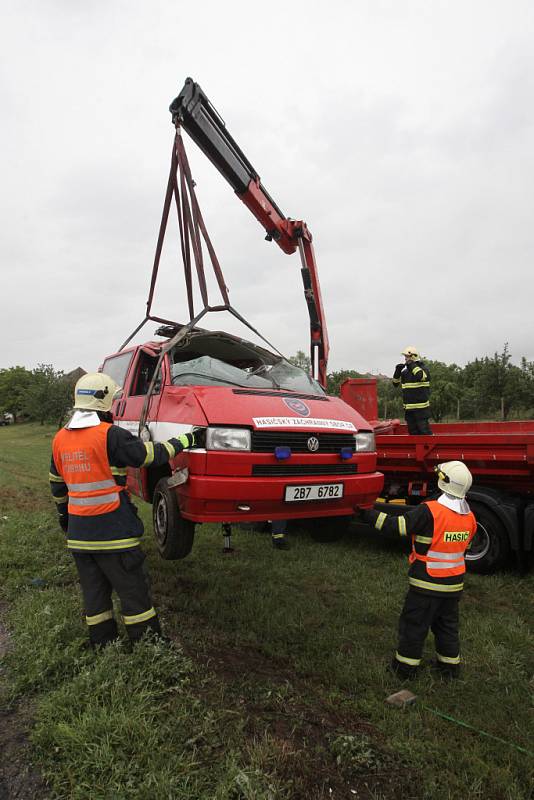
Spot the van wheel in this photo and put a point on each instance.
(490, 547)
(174, 534)
(327, 529)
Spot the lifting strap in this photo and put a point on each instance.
(192, 233)
(192, 230)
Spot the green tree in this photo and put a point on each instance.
(499, 385)
(14, 385)
(49, 395)
(300, 359)
(335, 379)
(445, 389)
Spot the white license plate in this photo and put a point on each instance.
(315, 491)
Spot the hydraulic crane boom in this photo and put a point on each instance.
(194, 112)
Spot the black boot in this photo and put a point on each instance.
(447, 672)
(280, 543)
(103, 634)
(404, 671)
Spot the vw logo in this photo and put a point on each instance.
(313, 444)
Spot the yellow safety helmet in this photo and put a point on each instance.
(454, 478)
(411, 352)
(95, 392)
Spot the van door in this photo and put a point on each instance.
(117, 367)
(133, 402)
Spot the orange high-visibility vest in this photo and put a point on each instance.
(81, 458)
(452, 535)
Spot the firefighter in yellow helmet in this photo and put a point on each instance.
(440, 532)
(413, 377)
(88, 483)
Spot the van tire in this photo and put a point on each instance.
(490, 548)
(327, 529)
(174, 535)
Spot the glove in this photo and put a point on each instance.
(64, 522)
(187, 440)
(398, 370)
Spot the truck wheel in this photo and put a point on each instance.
(174, 534)
(491, 546)
(327, 529)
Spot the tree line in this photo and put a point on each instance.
(486, 388)
(43, 394)
(490, 387)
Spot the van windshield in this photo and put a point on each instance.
(219, 359)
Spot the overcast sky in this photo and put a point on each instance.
(401, 131)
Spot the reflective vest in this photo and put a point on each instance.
(452, 535)
(81, 459)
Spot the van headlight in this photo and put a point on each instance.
(365, 442)
(227, 439)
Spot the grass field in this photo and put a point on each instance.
(275, 685)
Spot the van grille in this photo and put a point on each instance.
(266, 441)
(264, 470)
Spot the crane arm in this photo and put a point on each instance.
(193, 111)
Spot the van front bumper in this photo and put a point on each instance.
(238, 499)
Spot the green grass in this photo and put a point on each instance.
(276, 686)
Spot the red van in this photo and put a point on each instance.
(271, 443)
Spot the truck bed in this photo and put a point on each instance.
(498, 454)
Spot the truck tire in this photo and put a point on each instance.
(174, 534)
(327, 529)
(490, 547)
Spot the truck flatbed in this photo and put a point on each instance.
(499, 454)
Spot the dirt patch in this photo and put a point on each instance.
(22, 500)
(323, 752)
(19, 779)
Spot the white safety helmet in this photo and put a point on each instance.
(411, 352)
(454, 478)
(95, 392)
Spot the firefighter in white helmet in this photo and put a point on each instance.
(88, 483)
(440, 531)
(413, 377)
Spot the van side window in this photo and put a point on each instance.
(145, 370)
(117, 367)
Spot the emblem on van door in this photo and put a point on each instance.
(297, 406)
(313, 444)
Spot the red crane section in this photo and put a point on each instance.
(193, 111)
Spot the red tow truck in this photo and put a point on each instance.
(272, 443)
(500, 456)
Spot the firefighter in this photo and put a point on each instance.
(414, 379)
(88, 484)
(440, 530)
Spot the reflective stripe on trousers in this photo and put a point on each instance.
(96, 619)
(134, 619)
(103, 544)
